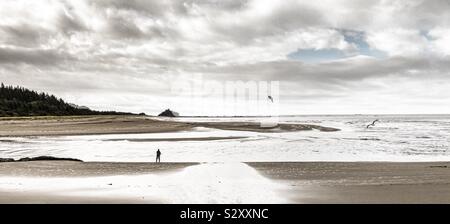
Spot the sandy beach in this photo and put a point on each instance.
(212, 181)
(23, 181)
(89, 125)
(86, 125)
(361, 182)
(279, 182)
(84, 169)
(93, 182)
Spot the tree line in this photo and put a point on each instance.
(19, 101)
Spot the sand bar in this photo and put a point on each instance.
(90, 125)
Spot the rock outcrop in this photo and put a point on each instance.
(168, 113)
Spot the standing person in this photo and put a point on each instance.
(158, 156)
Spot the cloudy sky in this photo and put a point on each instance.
(329, 56)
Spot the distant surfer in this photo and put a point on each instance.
(158, 156)
(373, 123)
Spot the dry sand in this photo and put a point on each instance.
(361, 182)
(86, 125)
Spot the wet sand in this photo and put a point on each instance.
(256, 127)
(84, 169)
(176, 139)
(283, 182)
(126, 124)
(7, 197)
(361, 182)
(86, 125)
(77, 182)
(72, 169)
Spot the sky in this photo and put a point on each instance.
(194, 56)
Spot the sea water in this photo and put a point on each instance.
(393, 138)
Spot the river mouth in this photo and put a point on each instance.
(399, 138)
(203, 183)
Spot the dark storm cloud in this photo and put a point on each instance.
(70, 25)
(228, 5)
(282, 19)
(424, 14)
(123, 28)
(33, 57)
(148, 8)
(335, 72)
(23, 34)
(161, 8)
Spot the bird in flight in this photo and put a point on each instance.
(373, 123)
(270, 98)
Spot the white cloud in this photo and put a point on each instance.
(137, 47)
(441, 40)
(399, 42)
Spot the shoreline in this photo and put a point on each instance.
(126, 124)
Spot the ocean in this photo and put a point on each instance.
(399, 138)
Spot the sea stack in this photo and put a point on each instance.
(168, 113)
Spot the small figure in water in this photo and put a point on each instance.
(158, 156)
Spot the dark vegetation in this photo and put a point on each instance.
(19, 101)
(39, 158)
